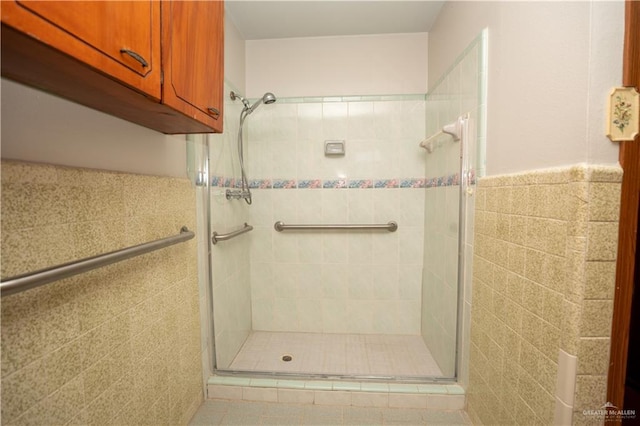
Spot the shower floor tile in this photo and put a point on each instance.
(344, 354)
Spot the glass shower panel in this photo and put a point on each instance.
(231, 291)
(363, 304)
(337, 302)
(461, 91)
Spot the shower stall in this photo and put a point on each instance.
(354, 266)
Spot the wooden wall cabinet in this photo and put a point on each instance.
(155, 63)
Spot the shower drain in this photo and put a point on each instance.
(287, 357)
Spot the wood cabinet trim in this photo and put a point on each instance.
(628, 226)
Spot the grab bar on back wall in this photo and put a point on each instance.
(34, 279)
(391, 227)
(215, 237)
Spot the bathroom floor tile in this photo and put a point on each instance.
(221, 412)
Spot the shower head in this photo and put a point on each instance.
(267, 98)
(233, 95)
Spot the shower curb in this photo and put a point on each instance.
(334, 392)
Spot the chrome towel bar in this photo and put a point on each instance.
(391, 227)
(34, 279)
(224, 237)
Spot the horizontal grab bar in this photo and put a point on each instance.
(281, 226)
(215, 237)
(34, 279)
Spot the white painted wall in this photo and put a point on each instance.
(234, 55)
(551, 66)
(338, 66)
(40, 127)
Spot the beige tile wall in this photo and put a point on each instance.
(117, 345)
(543, 280)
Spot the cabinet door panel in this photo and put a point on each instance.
(96, 33)
(128, 26)
(193, 48)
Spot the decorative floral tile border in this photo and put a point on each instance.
(334, 184)
(405, 183)
(285, 184)
(310, 184)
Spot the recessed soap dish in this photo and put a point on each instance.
(334, 147)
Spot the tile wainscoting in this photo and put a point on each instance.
(119, 344)
(543, 282)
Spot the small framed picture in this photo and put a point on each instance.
(623, 114)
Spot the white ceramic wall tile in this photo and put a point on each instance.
(386, 206)
(411, 244)
(335, 206)
(410, 282)
(385, 160)
(360, 281)
(285, 279)
(385, 249)
(262, 284)
(256, 152)
(360, 248)
(285, 247)
(309, 205)
(309, 159)
(360, 315)
(389, 118)
(381, 143)
(260, 244)
(335, 248)
(385, 281)
(361, 120)
(285, 314)
(334, 315)
(360, 204)
(309, 121)
(412, 202)
(334, 120)
(283, 156)
(275, 122)
(284, 206)
(334, 167)
(309, 310)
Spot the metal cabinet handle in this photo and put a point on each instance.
(135, 56)
(215, 112)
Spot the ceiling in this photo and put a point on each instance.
(266, 19)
